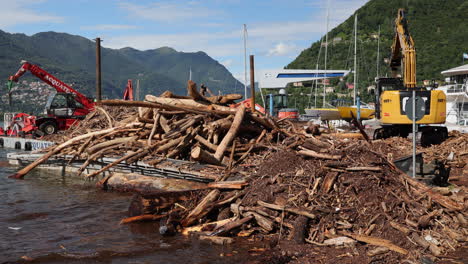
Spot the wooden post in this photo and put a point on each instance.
(252, 82)
(98, 69)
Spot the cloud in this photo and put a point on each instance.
(282, 49)
(20, 12)
(227, 63)
(166, 11)
(104, 27)
(267, 38)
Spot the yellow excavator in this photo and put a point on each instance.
(393, 96)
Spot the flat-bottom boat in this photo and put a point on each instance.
(323, 113)
(366, 112)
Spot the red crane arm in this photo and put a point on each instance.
(128, 94)
(51, 80)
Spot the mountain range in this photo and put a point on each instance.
(72, 59)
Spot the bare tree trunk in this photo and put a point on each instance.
(231, 134)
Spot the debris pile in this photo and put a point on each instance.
(168, 127)
(320, 191)
(361, 202)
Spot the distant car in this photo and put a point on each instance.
(461, 126)
(463, 122)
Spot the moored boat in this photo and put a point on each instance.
(347, 112)
(323, 113)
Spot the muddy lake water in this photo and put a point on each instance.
(49, 218)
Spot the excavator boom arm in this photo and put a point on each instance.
(51, 80)
(403, 52)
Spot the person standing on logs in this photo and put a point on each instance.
(204, 90)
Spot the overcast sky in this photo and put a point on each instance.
(278, 30)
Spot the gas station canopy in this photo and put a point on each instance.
(277, 79)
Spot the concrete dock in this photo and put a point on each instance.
(28, 144)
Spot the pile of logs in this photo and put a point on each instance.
(195, 128)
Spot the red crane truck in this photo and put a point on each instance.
(63, 109)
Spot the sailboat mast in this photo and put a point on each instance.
(355, 61)
(245, 61)
(326, 52)
(378, 52)
(316, 73)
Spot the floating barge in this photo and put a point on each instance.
(27, 144)
(167, 168)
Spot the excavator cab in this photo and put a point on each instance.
(63, 105)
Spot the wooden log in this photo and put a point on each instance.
(360, 127)
(245, 155)
(377, 251)
(231, 134)
(261, 220)
(108, 143)
(400, 227)
(425, 220)
(419, 240)
(171, 106)
(186, 125)
(230, 198)
(347, 135)
(263, 121)
(152, 203)
(224, 99)
(184, 144)
(287, 209)
(198, 154)
(228, 184)
(206, 227)
(80, 150)
(169, 94)
(141, 218)
(155, 126)
(221, 99)
(313, 154)
(143, 112)
(149, 185)
(109, 119)
(206, 143)
(378, 242)
(364, 169)
(217, 240)
(299, 231)
(328, 182)
(93, 158)
(317, 142)
(188, 104)
(116, 162)
(170, 143)
(202, 208)
(231, 225)
(20, 174)
(164, 124)
(220, 124)
(193, 92)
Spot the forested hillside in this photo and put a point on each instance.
(439, 29)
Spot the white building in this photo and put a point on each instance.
(456, 90)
